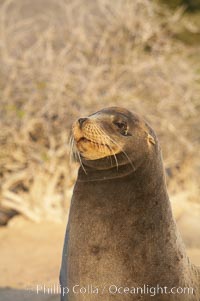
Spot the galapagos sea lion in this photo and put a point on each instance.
(122, 242)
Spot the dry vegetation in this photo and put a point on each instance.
(61, 59)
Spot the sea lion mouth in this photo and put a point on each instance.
(92, 141)
(92, 149)
(86, 140)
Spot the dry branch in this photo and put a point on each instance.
(62, 59)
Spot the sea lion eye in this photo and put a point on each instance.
(123, 127)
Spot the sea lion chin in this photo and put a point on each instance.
(121, 233)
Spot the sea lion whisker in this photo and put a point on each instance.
(79, 156)
(117, 165)
(131, 163)
(113, 141)
(71, 145)
(73, 150)
(115, 157)
(102, 144)
(100, 131)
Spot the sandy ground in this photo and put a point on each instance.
(30, 255)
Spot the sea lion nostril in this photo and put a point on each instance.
(81, 121)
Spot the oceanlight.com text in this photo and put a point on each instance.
(112, 290)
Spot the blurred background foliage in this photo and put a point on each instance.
(62, 59)
(191, 5)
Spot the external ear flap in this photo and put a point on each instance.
(150, 139)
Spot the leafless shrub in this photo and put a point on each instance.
(62, 59)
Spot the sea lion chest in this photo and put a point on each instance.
(109, 236)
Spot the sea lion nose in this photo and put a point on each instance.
(81, 121)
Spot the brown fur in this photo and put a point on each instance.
(121, 230)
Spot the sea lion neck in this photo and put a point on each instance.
(144, 170)
(88, 174)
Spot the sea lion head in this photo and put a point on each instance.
(113, 137)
